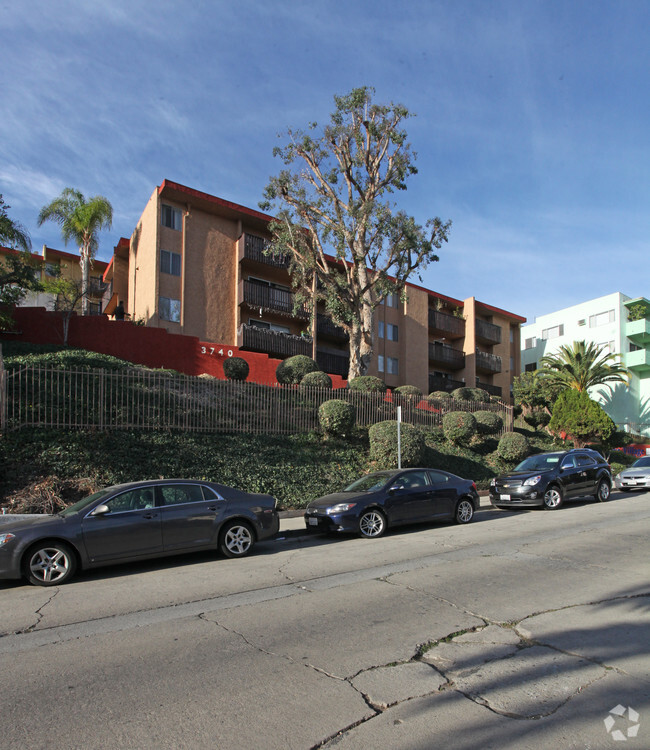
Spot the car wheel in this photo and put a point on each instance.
(49, 564)
(603, 490)
(553, 498)
(236, 539)
(372, 524)
(464, 511)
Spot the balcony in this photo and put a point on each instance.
(638, 361)
(270, 299)
(96, 287)
(254, 250)
(334, 364)
(447, 356)
(326, 329)
(489, 363)
(438, 383)
(638, 331)
(493, 390)
(488, 332)
(449, 326)
(273, 343)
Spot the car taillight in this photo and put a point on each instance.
(474, 485)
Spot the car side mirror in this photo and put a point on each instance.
(394, 489)
(101, 510)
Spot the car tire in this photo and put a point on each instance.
(553, 498)
(372, 524)
(603, 491)
(49, 563)
(236, 539)
(464, 511)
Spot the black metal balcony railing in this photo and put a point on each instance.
(325, 327)
(486, 362)
(96, 286)
(488, 332)
(446, 355)
(334, 364)
(271, 299)
(438, 383)
(273, 343)
(254, 248)
(108, 293)
(448, 325)
(493, 390)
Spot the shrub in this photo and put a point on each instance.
(488, 422)
(316, 380)
(411, 392)
(537, 418)
(438, 396)
(462, 394)
(513, 446)
(367, 383)
(336, 417)
(383, 444)
(459, 427)
(478, 394)
(580, 417)
(292, 370)
(235, 368)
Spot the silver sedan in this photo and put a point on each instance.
(636, 477)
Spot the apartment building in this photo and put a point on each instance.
(52, 263)
(604, 321)
(195, 265)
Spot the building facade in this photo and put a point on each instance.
(196, 265)
(606, 322)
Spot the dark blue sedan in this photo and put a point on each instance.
(391, 498)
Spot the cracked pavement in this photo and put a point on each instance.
(519, 630)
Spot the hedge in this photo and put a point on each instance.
(383, 444)
(235, 368)
(459, 427)
(336, 417)
(292, 370)
(367, 383)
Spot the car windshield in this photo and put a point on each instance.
(539, 463)
(81, 504)
(645, 461)
(369, 483)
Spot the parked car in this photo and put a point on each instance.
(384, 499)
(635, 477)
(548, 479)
(135, 521)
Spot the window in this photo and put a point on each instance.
(607, 347)
(512, 336)
(530, 367)
(412, 480)
(52, 269)
(582, 322)
(390, 300)
(392, 365)
(380, 363)
(512, 364)
(634, 347)
(134, 500)
(530, 343)
(171, 217)
(439, 477)
(177, 494)
(388, 331)
(553, 333)
(169, 309)
(170, 263)
(602, 319)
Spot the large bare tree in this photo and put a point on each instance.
(336, 218)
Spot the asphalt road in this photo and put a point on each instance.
(521, 630)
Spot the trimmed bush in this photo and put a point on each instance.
(439, 396)
(583, 419)
(488, 422)
(459, 427)
(462, 394)
(478, 394)
(367, 383)
(383, 444)
(513, 446)
(316, 380)
(235, 368)
(537, 418)
(336, 417)
(292, 370)
(409, 391)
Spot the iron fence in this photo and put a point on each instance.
(140, 399)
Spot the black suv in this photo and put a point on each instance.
(548, 479)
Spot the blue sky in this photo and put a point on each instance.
(532, 124)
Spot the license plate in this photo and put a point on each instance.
(312, 521)
(504, 497)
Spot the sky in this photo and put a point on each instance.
(531, 126)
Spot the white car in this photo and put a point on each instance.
(636, 477)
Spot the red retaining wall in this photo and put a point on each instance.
(152, 347)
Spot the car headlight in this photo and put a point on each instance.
(340, 508)
(532, 480)
(4, 538)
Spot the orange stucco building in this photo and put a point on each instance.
(195, 265)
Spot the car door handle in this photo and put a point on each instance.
(213, 508)
(150, 515)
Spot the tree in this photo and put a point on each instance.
(67, 295)
(348, 245)
(80, 220)
(534, 392)
(582, 366)
(12, 233)
(582, 419)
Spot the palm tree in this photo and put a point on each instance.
(80, 220)
(582, 366)
(12, 233)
